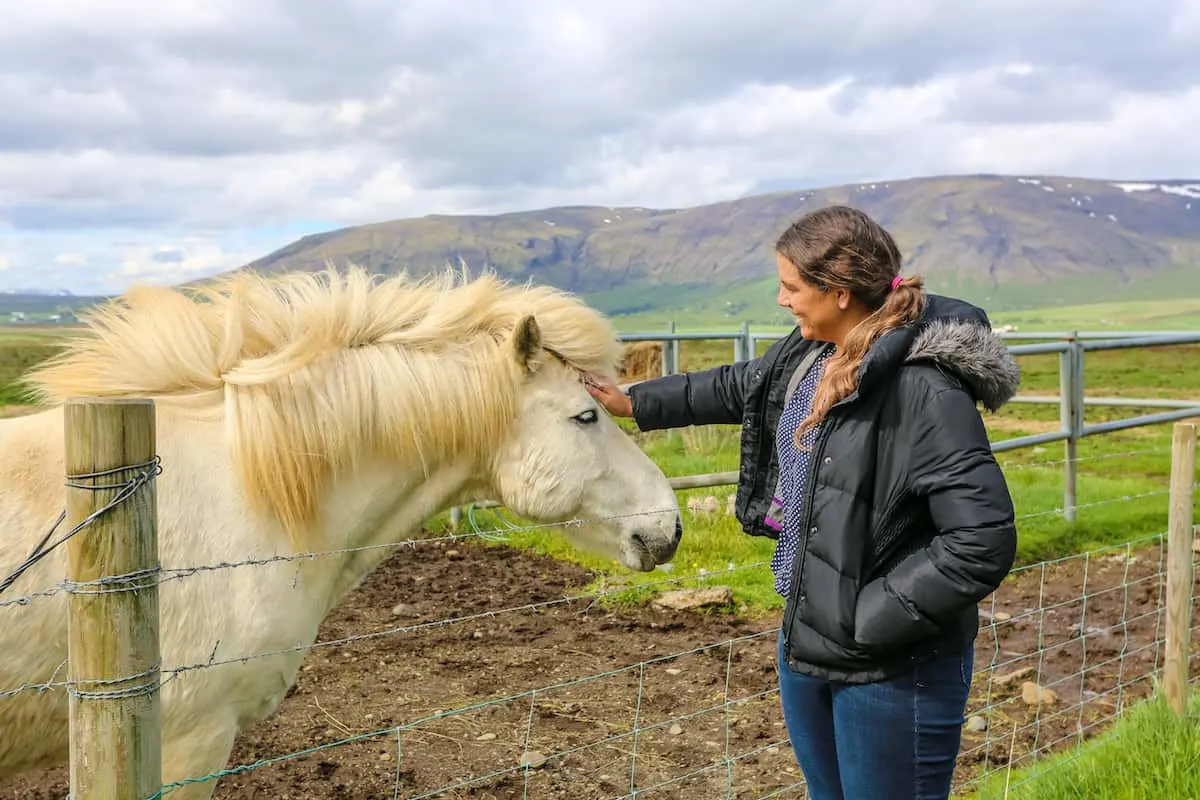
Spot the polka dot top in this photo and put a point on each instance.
(793, 471)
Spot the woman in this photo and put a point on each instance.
(864, 455)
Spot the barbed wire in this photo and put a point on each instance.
(169, 673)
(542, 605)
(730, 760)
(998, 691)
(168, 574)
(1058, 462)
(143, 474)
(1125, 498)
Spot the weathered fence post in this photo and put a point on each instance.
(113, 647)
(1180, 534)
(1070, 378)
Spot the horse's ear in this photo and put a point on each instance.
(527, 343)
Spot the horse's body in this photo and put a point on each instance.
(297, 418)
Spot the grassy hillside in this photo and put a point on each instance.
(40, 308)
(1178, 314)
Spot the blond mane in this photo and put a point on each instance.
(315, 372)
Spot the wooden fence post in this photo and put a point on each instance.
(113, 647)
(1180, 534)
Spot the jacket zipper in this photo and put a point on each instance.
(810, 491)
(802, 552)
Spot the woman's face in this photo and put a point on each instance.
(821, 315)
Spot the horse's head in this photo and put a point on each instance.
(566, 459)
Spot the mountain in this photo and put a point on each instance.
(1008, 238)
(31, 307)
(27, 292)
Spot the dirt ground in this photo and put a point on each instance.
(684, 724)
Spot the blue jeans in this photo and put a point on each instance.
(896, 739)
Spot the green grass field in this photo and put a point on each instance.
(1149, 754)
(20, 349)
(1071, 304)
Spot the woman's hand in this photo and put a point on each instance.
(609, 395)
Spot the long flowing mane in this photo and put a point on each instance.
(313, 372)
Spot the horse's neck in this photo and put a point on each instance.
(367, 512)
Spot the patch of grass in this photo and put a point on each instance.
(714, 550)
(20, 349)
(649, 308)
(1149, 753)
(1158, 372)
(1178, 313)
(1122, 495)
(1081, 298)
(1167, 300)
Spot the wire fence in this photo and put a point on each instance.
(555, 694)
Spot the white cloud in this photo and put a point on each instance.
(162, 140)
(113, 16)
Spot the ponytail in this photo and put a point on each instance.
(902, 305)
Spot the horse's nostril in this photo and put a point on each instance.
(678, 527)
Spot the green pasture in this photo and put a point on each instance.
(1148, 753)
(1170, 301)
(1176, 314)
(21, 348)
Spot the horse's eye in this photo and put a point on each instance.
(588, 417)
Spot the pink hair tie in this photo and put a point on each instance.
(896, 282)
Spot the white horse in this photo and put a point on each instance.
(310, 413)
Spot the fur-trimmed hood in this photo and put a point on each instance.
(974, 353)
(957, 337)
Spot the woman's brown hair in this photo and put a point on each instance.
(842, 248)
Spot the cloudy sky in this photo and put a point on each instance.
(157, 140)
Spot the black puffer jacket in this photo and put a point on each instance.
(908, 520)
